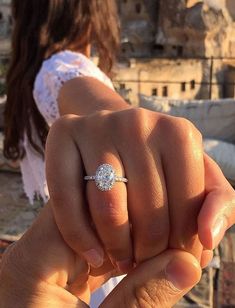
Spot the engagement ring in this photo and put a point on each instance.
(105, 177)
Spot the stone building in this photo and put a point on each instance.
(198, 28)
(138, 27)
(193, 28)
(159, 77)
(230, 77)
(5, 19)
(156, 30)
(5, 30)
(177, 29)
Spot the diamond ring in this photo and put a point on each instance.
(105, 177)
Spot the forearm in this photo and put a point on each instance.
(86, 95)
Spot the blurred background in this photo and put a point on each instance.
(170, 48)
(176, 57)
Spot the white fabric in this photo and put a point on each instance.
(224, 154)
(33, 174)
(98, 296)
(55, 71)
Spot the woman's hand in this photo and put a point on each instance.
(41, 271)
(162, 158)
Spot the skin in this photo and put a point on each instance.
(111, 211)
(55, 276)
(34, 274)
(179, 179)
(180, 183)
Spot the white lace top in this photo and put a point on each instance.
(55, 71)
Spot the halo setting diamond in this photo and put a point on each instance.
(105, 177)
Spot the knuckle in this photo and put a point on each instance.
(139, 124)
(62, 123)
(159, 293)
(92, 123)
(185, 130)
(96, 119)
(146, 296)
(188, 140)
(169, 291)
(59, 128)
(103, 113)
(179, 130)
(132, 123)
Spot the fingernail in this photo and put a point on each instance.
(124, 266)
(218, 230)
(94, 258)
(182, 274)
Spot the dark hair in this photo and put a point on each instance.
(42, 28)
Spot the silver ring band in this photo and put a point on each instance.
(117, 178)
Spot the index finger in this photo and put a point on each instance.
(64, 170)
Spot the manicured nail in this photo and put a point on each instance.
(94, 258)
(125, 266)
(218, 230)
(182, 274)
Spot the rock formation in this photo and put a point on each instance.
(192, 28)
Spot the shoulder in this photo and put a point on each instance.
(66, 65)
(55, 72)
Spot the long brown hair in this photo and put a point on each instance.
(41, 28)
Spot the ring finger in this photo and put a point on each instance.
(108, 208)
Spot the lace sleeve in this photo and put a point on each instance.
(54, 72)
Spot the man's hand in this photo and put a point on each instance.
(40, 270)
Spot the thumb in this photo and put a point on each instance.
(159, 282)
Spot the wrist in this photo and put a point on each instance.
(85, 96)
